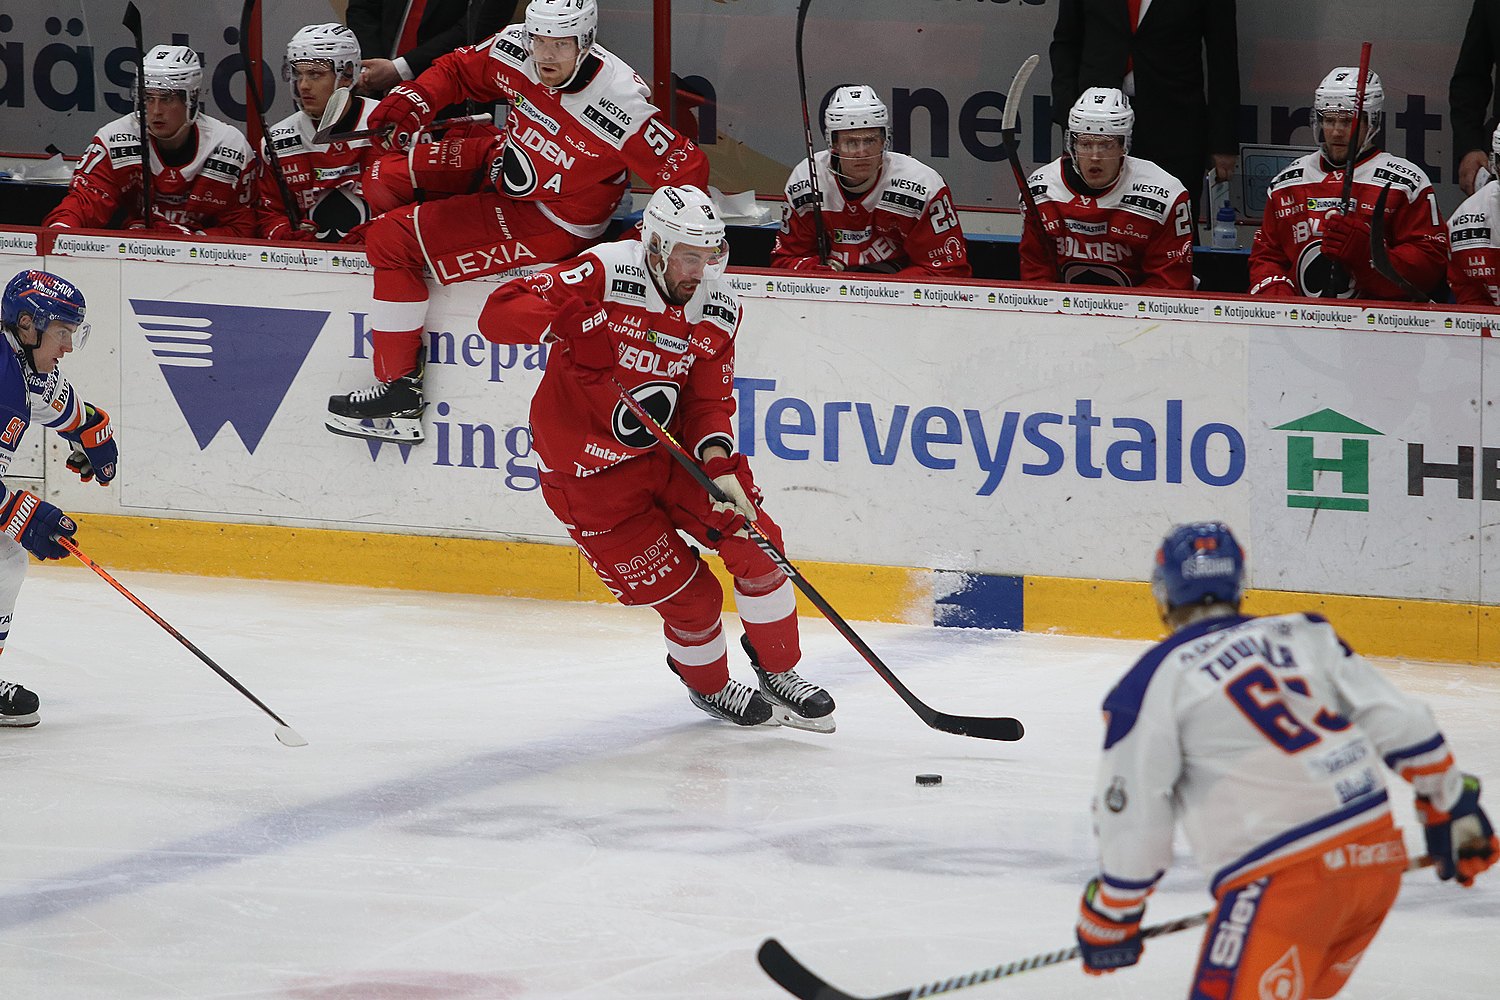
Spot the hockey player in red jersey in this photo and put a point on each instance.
(1264, 737)
(1110, 218)
(42, 319)
(655, 318)
(1306, 233)
(580, 122)
(202, 170)
(1474, 242)
(883, 212)
(325, 179)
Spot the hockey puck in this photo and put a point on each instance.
(929, 779)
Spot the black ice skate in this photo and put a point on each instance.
(18, 706)
(387, 411)
(735, 702)
(798, 703)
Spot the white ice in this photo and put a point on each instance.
(506, 799)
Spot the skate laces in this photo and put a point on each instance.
(735, 697)
(790, 686)
(373, 392)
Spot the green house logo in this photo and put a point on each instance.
(1067, 302)
(993, 299)
(843, 289)
(1218, 310)
(1140, 307)
(1331, 443)
(1294, 311)
(916, 293)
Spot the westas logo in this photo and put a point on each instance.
(228, 364)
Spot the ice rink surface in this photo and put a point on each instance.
(506, 799)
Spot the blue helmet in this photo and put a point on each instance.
(1199, 563)
(46, 297)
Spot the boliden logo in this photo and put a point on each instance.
(1131, 448)
(228, 364)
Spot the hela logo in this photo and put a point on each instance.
(228, 364)
(1352, 466)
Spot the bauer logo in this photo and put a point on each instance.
(1328, 461)
(227, 364)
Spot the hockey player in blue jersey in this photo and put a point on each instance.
(1264, 737)
(42, 316)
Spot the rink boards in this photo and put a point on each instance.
(963, 454)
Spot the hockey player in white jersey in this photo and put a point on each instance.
(1111, 218)
(1264, 738)
(1474, 242)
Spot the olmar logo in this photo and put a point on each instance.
(1325, 431)
(228, 364)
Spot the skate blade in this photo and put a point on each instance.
(19, 721)
(786, 717)
(400, 430)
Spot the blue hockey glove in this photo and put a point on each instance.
(36, 524)
(1461, 840)
(1108, 938)
(95, 454)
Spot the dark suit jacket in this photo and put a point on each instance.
(443, 28)
(1174, 122)
(1474, 80)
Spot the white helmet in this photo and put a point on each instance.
(331, 44)
(563, 19)
(1495, 153)
(854, 107)
(1338, 92)
(176, 68)
(682, 215)
(1100, 111)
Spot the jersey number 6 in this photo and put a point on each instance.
(1262, 700)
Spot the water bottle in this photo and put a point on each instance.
(1225, 236)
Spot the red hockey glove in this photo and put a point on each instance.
(1346, 238)
(1275, 287)
(583, 327)
(1461, 840)
(407, 110)
(1108, 938)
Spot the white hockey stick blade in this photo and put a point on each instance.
(289, 737)
(1016, 92)
(338, 104)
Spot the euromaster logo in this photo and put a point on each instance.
(1328, 442)
(228, 364)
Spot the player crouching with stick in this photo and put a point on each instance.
(655, 319)
(1265, 737)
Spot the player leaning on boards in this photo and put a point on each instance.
(1115, 219)
(580, 121)
(1264, 736)
(42, 316)
(1474, 241)
(325, 179)
(1305, 231)
(654, 317)
(885, 212)
(202, 170)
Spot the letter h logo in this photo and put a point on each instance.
(1352, 464)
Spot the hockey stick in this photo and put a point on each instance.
(1380, 254)
(1008, 143)
(800, 981)
(962, 725)
(437, 126)
(132, 23)
(254, 105)
(825, 249)
(284, 733)
(1338, 281)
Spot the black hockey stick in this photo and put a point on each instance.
(284, 733)
(1012, 153)
(825, 247)
(1338, 281)
(800, 981)
(132, 23)
(255, 105)
(962, 725)
(1380, 254)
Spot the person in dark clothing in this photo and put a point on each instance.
(1470, 92)
(399, 39)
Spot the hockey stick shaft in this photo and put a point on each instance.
(825, 246)
(285, 733)
(1380, 255)
(132, 23)
(800, 981)
(255, 105)
(1339, 281)
(962, 725)
(437, 126)
(1012, 153)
